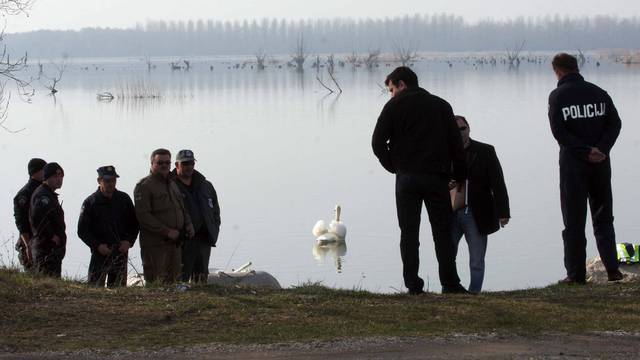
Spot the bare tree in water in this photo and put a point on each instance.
(10, 68)
(147, 60)
(372, 60)
(405, 54)
(353, 59)
(300, 54)
(513, 55)
(331, 70)
(55, 79)
(260, 58)
(581, 58)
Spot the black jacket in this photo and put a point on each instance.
(582, 116)
(107, 221)
(486, 191)
(21, 204)
(417, 133)
(201, 201)
(46, 217)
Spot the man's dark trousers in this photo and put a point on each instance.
(47, 260)
(412, 190)
(111, 268)
(580, 181)
(195, 258)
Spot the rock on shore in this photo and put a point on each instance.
(596, 272)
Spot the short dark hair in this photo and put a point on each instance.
(160, 151)
(460, 117)
(403, 74)
(565, 62)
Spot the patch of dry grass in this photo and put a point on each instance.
(38, 314)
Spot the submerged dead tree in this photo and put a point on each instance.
(55, 79)
(300, 54)
(581, 58)
(147, 60)
(331, 63)
(260, 58)
(405, 54)
(331, 69)
(372, 59)
(319, 75)
(513, 55)
(353, 59)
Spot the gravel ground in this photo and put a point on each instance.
(609, 345)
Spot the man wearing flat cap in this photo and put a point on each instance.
(108, 225)
(46, 217)
(201, 201)
(21, 204)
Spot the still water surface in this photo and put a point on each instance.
(281, 153)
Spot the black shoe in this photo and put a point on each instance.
(458, 289)
(615, 276)
(416, 292)
(570, 281)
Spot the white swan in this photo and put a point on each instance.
(336, 231)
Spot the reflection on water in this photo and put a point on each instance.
(333, 251)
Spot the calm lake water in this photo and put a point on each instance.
(282, 153)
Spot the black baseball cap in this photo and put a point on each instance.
(107, 172)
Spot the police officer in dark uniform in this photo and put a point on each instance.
(46, 217)
(586, 125)
(21, 204)
(108, 225)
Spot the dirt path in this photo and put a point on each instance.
(550, 346)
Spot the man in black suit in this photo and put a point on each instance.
(482, 207)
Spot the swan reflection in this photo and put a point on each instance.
(333, 250)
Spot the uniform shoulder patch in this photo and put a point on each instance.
(43, 200)
(22, 200)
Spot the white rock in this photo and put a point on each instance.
(598, 274)
(245, 278)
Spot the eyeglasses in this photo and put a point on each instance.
(462, 128)
(163, 163)
(187, 163)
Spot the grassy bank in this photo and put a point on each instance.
(43, 314)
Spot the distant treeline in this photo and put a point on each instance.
(441, 32)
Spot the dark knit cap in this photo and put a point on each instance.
(51, 168)
(35, 165)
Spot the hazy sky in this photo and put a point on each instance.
(76, 14)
